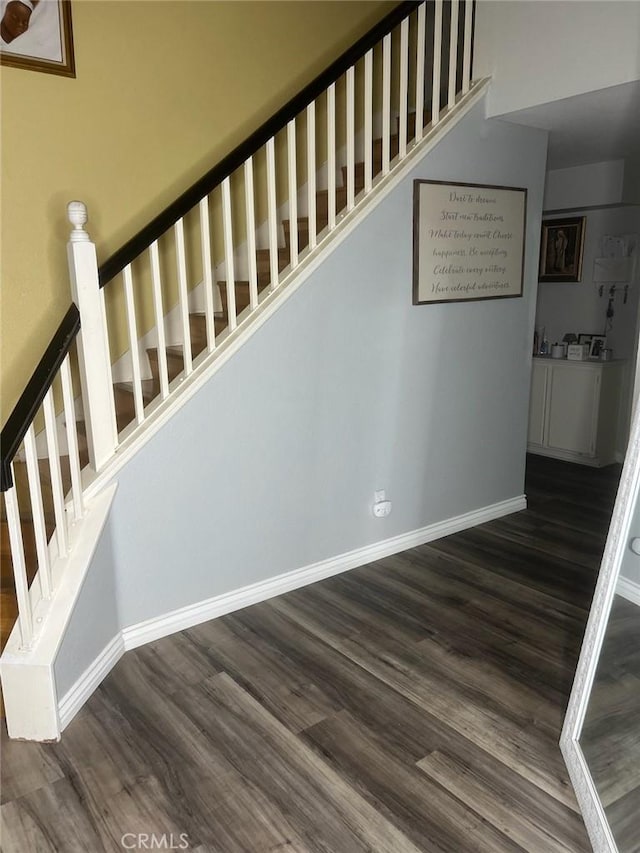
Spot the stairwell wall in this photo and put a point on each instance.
(347, 389)
(162, 92)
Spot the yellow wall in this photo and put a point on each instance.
(163, 91)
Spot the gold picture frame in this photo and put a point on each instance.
(37, 35)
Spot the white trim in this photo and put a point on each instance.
(608, 579)
(629, 590)
(186, 617)
(209, 363)
(219, 605)
(28, 680)
(194, 614)
(91, 678)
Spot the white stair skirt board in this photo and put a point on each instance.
(629, 590)
(208, 364)
(203, 611)
(28, 684)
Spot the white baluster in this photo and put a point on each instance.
(72, 438)
(156, 282)
(37, 512)
(57, 491)
(183, 295)
(331, 155)
(311, 174)
(351, 136)
(420, 57)
(251, 233)
(466, 58)
(132, 328)
(207, 274)
(293, 193)
(386, 103)
(404, 87)
(437, 62)
(453, 53)
(227, 230)
(368, 121)
(25, 615)
(93, 343)
(272, 214)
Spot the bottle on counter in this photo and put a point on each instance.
(544, 346)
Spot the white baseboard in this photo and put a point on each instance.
(76, 697)
(629, 590)
(219, 605)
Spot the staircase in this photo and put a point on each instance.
(63, 489)
(123, 391)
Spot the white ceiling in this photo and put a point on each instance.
(589, 128)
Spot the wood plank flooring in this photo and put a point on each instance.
(411, 705)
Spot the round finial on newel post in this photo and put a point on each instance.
(77, 213)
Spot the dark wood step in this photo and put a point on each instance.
(303, 232)
(175, 362)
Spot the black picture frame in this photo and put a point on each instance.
(561, 249)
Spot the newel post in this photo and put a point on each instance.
(93, 342)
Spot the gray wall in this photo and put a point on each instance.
(94, 622)
(347, 389)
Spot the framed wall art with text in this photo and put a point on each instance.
(468, 241)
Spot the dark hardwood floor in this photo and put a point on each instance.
(414, 704)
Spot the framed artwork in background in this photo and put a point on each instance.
(598, 343)
(561, 249)
(36, 35)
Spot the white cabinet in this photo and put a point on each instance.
(574, 410)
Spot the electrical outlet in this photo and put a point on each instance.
(382, 509)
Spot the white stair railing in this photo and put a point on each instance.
(398, 85)
(378, 86)
(42, 492)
